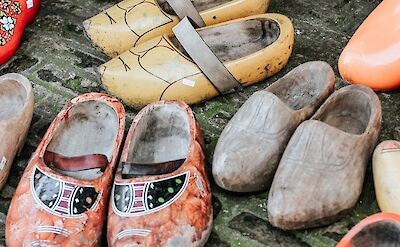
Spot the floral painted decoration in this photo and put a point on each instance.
(9, 11)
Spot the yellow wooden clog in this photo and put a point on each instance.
(386, 169)
(251, 48)
(132, 22)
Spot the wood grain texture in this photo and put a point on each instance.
(251, 145)
(321, 173)
(16, 109)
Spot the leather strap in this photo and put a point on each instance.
(202, 55)
(73, 164)
(135, 170)
(185, 8)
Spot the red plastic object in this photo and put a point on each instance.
(14, 16)
(33, 9)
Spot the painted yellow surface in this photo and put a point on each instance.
(132, 22)
(386, 170)
(158, 70)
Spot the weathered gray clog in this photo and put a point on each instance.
(321, 173)
(251, 145)
(16, 109)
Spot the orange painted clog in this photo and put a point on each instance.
(62, 197)
(372, 56)
(161, 196)
(378, 230)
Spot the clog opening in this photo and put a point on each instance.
(84, 141)
(349, 112)
(13, 96)
(380, 234)
(303, 85)
(238, 39)
(160, 143)
(200, 5)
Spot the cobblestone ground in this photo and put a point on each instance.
(60, 61)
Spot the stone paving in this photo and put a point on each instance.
(60, 61)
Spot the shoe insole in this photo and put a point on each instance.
(13, 96)
(200, 5)
(161, 140)
(380, 234)
(90, 127)
(302, 86)
(131, 170)
(349, 112)
(238, 39)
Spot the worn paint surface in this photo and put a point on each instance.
(60, 61)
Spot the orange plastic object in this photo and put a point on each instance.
(376, 218)
(372, 56)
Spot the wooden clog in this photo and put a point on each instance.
(248, 50)
(321, 173)
(378, 230)
(386, 169)
(62, 196)
(251, 145)
(161, 195)
(132, 22)
(16, 109)
(372, 56)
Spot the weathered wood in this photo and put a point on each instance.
(16, 109)
(321, 173)
(251, 145)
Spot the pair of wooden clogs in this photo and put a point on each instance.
(316, 166)
(157, 57)
(372, 56)
(15, 15)
(160, 194)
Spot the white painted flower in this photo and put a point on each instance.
(7, 23)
